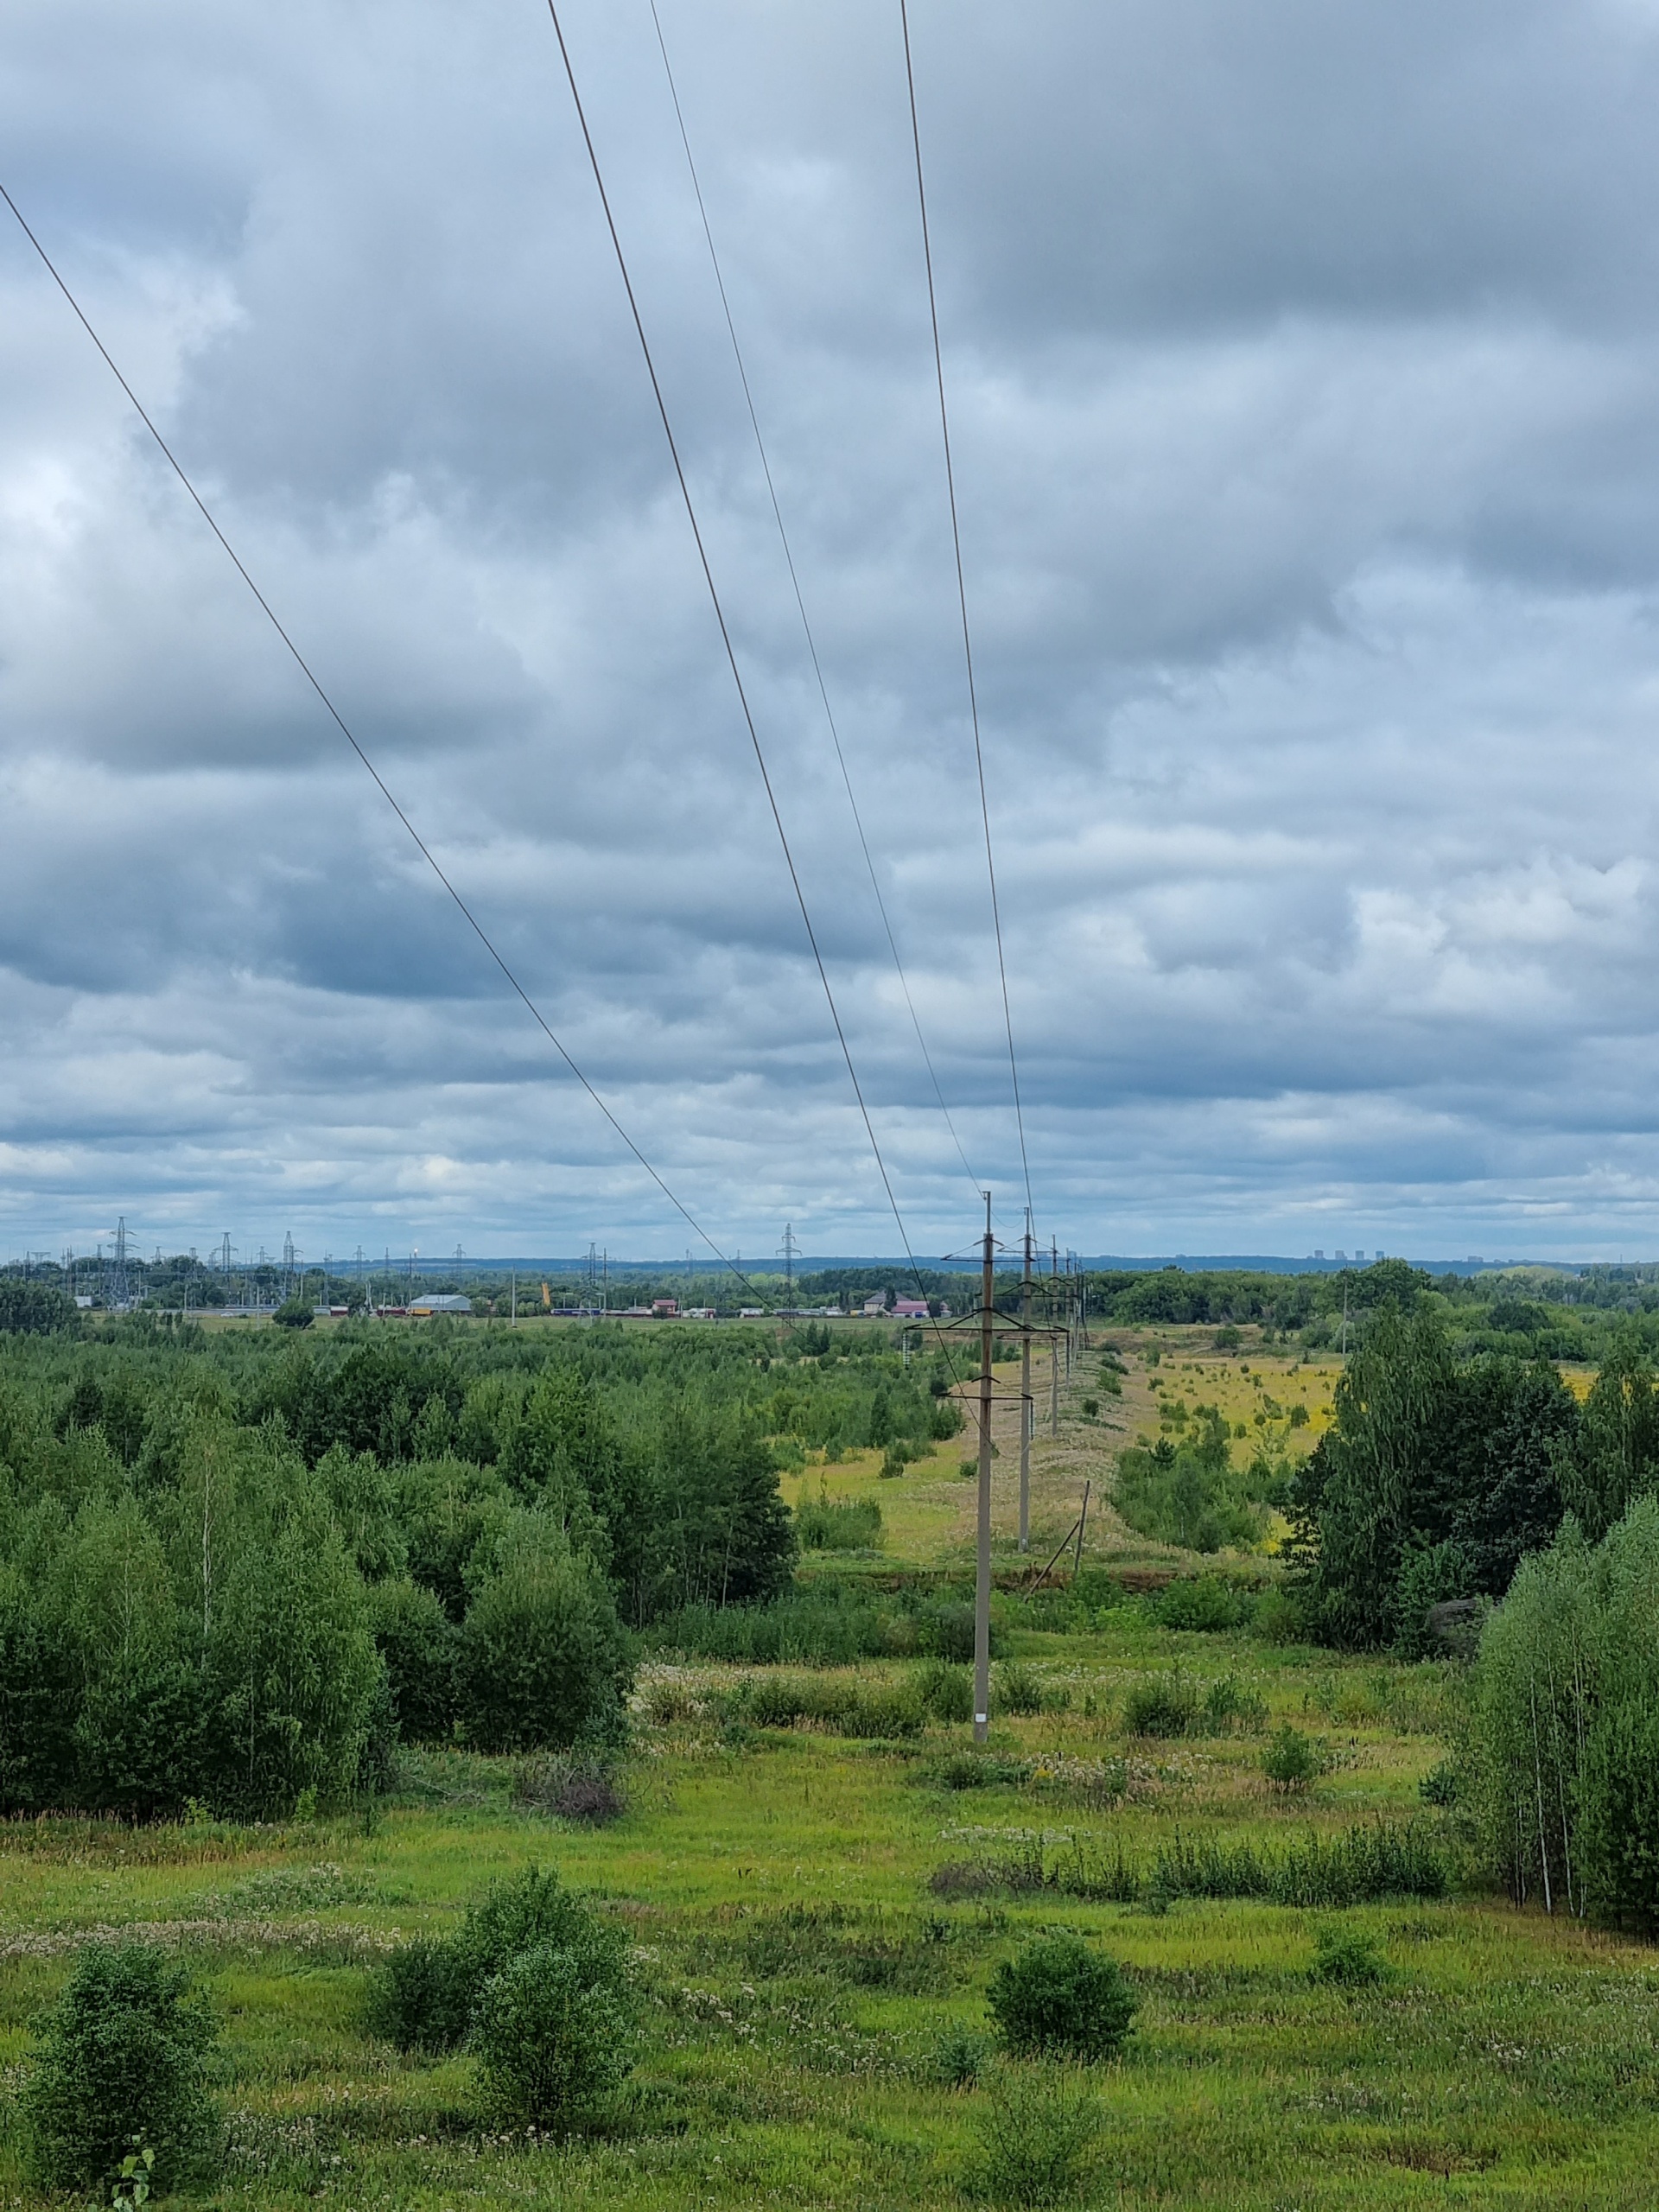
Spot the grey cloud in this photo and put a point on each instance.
(1304, 385)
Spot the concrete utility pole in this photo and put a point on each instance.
(982, 1564)
(1026, 1409)
(1053, 1340)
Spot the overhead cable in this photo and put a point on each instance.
(962, 597)
(304, 667)
(800, 602)
(726, 637)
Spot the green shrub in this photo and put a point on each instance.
(1441, 1784)
(1202, 1602)
(419, 1643)
(945, 1419)
(1035, 2134)
(838, 1524)
(543, 1660)
(876, 1711)
(851, 1707)
(945, 1630)
(419, 1998)
(1345, 1957)
(1230, 1708)
(957, 2058)
(1058, 1996)
(1277, 1619)
(1015, 1688)
(552, 2032)
(119, 2054)
(1191, 1495)
(825, 1626)
(946, 1692)
(1293, 1761)
(980, 1770)
(1166, 1708)
(424, 1997)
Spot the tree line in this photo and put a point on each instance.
(233, 1571)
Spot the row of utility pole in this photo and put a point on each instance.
(1073, 1306)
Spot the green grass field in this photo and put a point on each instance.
(799, 1967)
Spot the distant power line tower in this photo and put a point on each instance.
(120, 1297)
(789, 1248)
(290, 1257)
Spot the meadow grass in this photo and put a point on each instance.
(801, 1973)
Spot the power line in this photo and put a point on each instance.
(800, 602)
(962, 596)
(725, 639)
(334, 714)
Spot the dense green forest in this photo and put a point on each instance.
(233, 1567)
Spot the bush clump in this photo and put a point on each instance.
(120, 2055)
(570, 1788)
(957, 2058)
(827, 1625)
(946, 1692)
(838, 1524)
(851, 1706)
(1035, 2136)
(1348, 1958)
(1166, 1707)
(1017, 1689)
(1059, 1997)
(1172, 1706)
(946, 1631)
(1293, 1762)
(552, 2030)
(427, 1995)
(1202, 1602)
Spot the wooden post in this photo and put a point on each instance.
(1026, 1408)
(982, 1563)
(1077, 1565)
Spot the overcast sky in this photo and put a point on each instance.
(1303, 364)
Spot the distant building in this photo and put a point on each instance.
(665, 1306)
(751, 1312)
(909, 1309)
(698, 1313)
(876, 1305)
(441, 1301)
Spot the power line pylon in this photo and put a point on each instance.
(982, 1558)
(789, 1248)
(1028, 1410)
